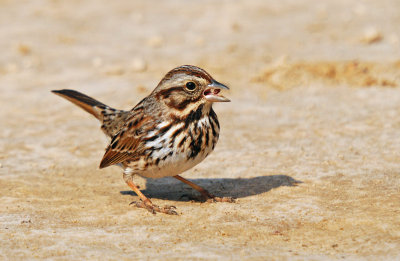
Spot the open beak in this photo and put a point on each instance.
(212, 92)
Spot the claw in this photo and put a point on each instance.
(221, 199)
(170, 211)
(154, 208)
(169, 206)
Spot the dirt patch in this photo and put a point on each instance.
(309, 145)
(351, 73)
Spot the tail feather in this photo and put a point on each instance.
(111, 119)
(87, 103)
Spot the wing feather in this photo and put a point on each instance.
(128, 143)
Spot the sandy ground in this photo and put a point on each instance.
(310, 144)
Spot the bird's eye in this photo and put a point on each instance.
(190, 86)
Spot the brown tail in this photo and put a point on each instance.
(87, 103)
(111, 119)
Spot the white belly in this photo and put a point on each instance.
(186, 154)
(172, 166)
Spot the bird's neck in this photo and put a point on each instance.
(192, 112)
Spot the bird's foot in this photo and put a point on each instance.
(208, 198)
(170, 210)
(213, 199)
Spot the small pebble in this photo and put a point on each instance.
(138, 65)
(371, 35)
(142, 89)
(24, 49)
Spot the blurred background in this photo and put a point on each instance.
(315, 99)
(63, 43)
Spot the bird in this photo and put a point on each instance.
(168, 132)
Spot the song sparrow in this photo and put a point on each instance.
(167, 133)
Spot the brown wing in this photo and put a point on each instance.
(128, 142)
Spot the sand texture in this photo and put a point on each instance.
(309, 145)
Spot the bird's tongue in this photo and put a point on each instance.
(212, 95)
(211, 91)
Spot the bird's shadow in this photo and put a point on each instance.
(172, 189)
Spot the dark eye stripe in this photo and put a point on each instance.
(167, 92)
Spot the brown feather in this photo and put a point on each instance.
(128, 142)
(165, 134)
(112, 120)
(130, 130)
(85, 102)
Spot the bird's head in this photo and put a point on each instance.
(188, 85)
